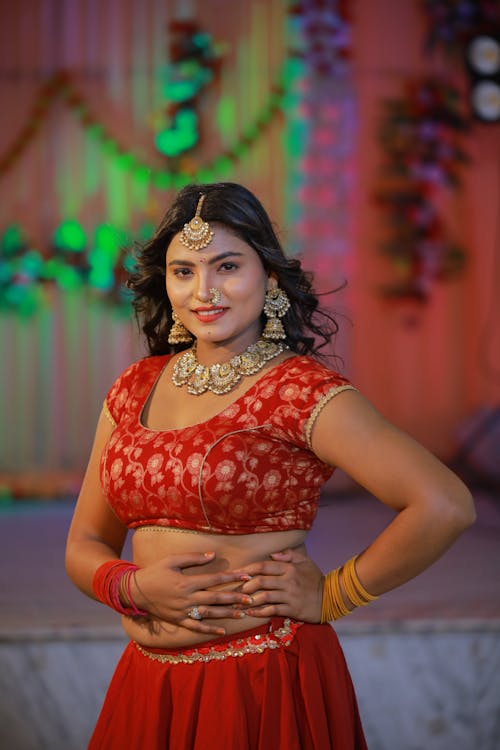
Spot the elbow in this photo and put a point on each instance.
(461, 511)
(68, 561)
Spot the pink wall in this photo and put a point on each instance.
(430, 377)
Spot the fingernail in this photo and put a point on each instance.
(221, 631)
(208, 554)
(239, 614)
(245, 577)
(247, 599)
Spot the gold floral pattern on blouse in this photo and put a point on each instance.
(248, 469)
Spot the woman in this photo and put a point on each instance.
(213, 451)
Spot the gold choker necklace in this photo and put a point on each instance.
(222, 378)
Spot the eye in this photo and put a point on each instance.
(182, 272)
(227, 266)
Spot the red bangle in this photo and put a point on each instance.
(106, 586)
(130, 574)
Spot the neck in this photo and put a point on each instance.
(210, 353)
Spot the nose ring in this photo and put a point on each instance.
(215, 296)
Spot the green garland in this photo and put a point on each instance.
(24, 270)
(62, 85)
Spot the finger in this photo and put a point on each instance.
(264, 598)
(264, 583)
(223, 598)
(281, 556)
(205, 581)
(220, 613)
(188, 560)
(202, 627)
(290, 555)
(270, 610)
(266, 567)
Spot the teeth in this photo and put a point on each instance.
(209, 313)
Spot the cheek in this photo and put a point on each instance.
(251, 287)
(174, 288)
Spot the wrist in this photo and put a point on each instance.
(138, 596)
(111, 585)
(343, 592)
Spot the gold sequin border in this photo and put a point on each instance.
(321, 405)
(107, 414)
(157, 528)
(253, 644)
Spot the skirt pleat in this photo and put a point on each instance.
(295, 697)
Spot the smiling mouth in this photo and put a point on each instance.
(209, 313)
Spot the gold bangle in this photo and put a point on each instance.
(354, 589)
(333, 606)
(350, 587)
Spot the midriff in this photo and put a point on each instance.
(232, 552)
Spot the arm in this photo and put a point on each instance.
(96, 536)
(433, 508)
(433, 505)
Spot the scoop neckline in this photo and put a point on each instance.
(215, 416)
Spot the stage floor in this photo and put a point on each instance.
(461, 588)
(425, 658)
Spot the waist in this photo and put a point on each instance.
(151, 543)
(277, 633)
(231, 553)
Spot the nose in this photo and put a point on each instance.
(202, 292)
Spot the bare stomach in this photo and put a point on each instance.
(231, 553)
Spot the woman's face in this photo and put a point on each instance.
(235, 269)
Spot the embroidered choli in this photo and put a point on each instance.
(248, 469)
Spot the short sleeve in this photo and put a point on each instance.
(303, 392)
(118, 398)
(320, 405)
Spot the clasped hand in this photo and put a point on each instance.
(290, 584)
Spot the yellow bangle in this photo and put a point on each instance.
(354, 589)
(333, 606)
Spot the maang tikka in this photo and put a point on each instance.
(196, 234)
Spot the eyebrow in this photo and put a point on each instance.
(215, 259)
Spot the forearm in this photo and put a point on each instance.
(83, 558)
(413, 541)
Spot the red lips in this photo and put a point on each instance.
(209, 314)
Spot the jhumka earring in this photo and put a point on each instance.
(179, 334)
(276, 305)
(196, 233)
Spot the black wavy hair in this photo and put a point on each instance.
(308, 328)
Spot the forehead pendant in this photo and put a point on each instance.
(196, 233)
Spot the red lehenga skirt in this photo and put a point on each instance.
(282, 686)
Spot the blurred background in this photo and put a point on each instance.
(371, 133)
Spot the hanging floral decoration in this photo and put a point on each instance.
(422, 155)
(452, 23)
(324, 41)
(195, 63)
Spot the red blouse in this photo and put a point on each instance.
(248, 469)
